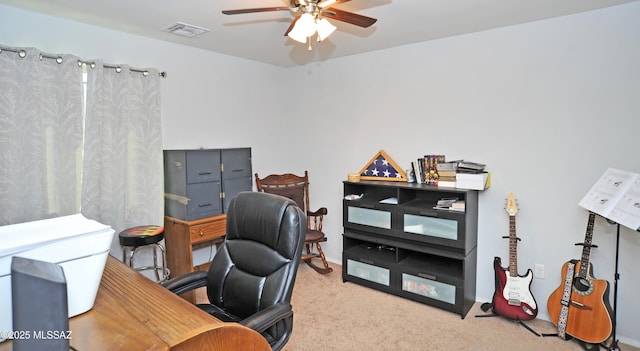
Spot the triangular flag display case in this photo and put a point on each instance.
(382, 167)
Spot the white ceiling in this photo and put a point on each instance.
(260, 36)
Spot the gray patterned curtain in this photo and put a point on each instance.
(40, 135)
(123, 178)
(55, 160)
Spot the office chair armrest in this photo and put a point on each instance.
(264, 319)
(186, 282)
(320, 212)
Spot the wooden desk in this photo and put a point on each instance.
(181, 237)
(133, 313)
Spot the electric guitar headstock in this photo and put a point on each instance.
(512, 205)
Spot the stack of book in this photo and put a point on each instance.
(470, 167)
(451, 204)
(472, 175)
(445, 203)
(447, 173)
(458, 206)
(434, 170)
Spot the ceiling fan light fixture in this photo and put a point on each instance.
(297, 36)
(306, 25)
(325, 28)
(304, 28)
(309, 18)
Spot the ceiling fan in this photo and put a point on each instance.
(311, 18)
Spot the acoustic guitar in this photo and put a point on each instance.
(512, 297)
(589, 312)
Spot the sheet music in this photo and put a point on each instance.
(627, 211)
(616, 196)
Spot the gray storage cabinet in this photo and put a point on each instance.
(200, 183)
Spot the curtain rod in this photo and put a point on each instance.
(22, 53)
(117, 68)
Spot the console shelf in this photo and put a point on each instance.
(395, 241)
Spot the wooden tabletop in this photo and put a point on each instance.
(133, 313)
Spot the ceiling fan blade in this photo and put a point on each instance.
(259, 9)
(328, 3)
(293, 23)
(349, 17)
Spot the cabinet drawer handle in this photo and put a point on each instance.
(428, 213)
(366, 261)
(237, 170)
(204, 205)
(369, 206)
(201, 232)
(427, 276)
(204, 173)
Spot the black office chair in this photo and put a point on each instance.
(251, 277)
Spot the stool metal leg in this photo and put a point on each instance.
(155, 263)
(165, 269)
(156, 267)
(132, 252)
(127, 255)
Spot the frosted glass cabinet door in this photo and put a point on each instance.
(429, 288)
(370, 217)
(368, 272)
(436, 227)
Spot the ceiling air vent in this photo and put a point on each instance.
(185, 30)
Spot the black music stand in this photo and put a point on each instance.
(614, 197)
(616, 276)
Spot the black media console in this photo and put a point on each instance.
(395, 241)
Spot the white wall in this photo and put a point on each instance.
(547, 105)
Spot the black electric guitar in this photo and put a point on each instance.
(589, 313)
(512, 297)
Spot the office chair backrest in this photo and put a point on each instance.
(257, 265)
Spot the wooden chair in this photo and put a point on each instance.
(296, 188)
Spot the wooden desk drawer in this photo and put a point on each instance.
(207, 231)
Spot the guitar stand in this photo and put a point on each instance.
(488, 305)
(568, 284)
(613, 345)
(585, 346)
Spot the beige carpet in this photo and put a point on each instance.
(331, 315)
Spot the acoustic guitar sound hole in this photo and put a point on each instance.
(582, 286)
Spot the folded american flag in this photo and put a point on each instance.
(382, 167)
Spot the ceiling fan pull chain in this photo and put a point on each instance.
(309, 40)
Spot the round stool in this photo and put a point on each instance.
(135, 238)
